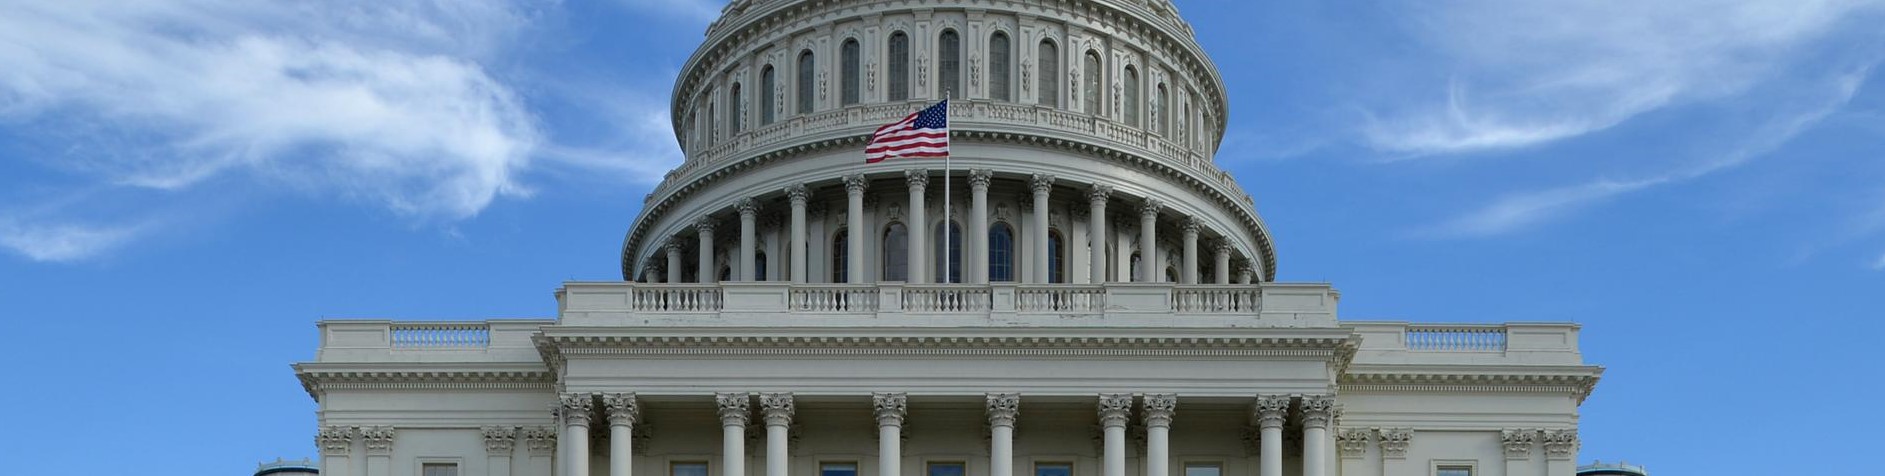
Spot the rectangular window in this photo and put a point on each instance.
(438, 469)
(1053, 469)
(947, 469)
(692, 468)
(1204, 469)
(1453, 471)
(837, 469)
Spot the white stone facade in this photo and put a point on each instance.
(755, 336)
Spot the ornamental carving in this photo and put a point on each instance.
(917, 178)
(1560, 444)
(1041, 183)
(1003, 408)
(1394, 441)
(980, 178)
(1191, 227)
(704, 225)
(576, 408)
(1518, 442)
(623, 408)
(824, 86)
(1159, 409)
(1317, 410)
(870, 76)
(778, 408)
(334, 440)
(1151, 208)
(1352, 442)
(1115, 409)
(855, 184)
(735, 408)
(500, 440)
(747, 206)
(889, 408)
(540, 440)
(1027, 71)
(1099, 194)
(1272, 410)
(798, 194)
(379, 440)
(975, 71)
(922, 70)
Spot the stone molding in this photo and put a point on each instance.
(1352, 443)
(1159, 408)
(1481, 380)
(499, 440)
(735, 408)
(778, 408)
(1115, 409)
(1394, 442)
(1003, 409)
(1518, 442)
(317, 382)
(378, 439)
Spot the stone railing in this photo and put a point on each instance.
(497, 340)
(1456, 337)
(677, 298)
(1215, 298)
(834, 298)
(1530, 342)
(1060, 298)
(432, 335)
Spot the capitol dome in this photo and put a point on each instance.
(1082, 141)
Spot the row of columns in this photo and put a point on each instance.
(976, 247)
(889, 410)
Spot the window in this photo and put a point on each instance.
(726, 273)
(1192, 119)
(946, 469)
(1445, 470)
(687, 469)
(1056, 257)
(896, 253)
(1130, 95)
(1171, 275)
(849, 81)
(734, 110)
(1053, 469)
(998, 58)
(712, 121)
(1164, 111)
(808, 71)
(438, 469)
(949, 61)
(837, 469)
(768, 89)
(1000, 252)
(1204, 469)
(1049, 87)
(1134, 268)
(841, 257)
(899, 73)
(955, 254)
(1093, 83)
(759, 266)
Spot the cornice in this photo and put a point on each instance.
(317, 379)
(1580, 381)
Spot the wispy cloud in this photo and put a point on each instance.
(1527, 73)
(63, 242)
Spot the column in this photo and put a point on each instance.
(499, 442)
(979, 180)
(1115, 409)
(704, 272)
(541, 441)
(1394, 443)
(854, 186)
(733, 415)
(890, 409)
(1041, 184)
(336, 443)
(1150, 267)
(379, 445)
(576, 433)
(798, 195)
(1271, 412)
(1003, 409)
(1096, 224)
(1189, 275)
(1353, 444)
(749, 240)
(673, 262)
(1317, 411)
(1518, 444)
(1560, 452)
(778, 410)
(1221, 269)
(1244, 275)
(623, 411)
(1159, 409)
(918, 225)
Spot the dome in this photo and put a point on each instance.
(1058, 111)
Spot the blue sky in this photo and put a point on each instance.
(187, 185)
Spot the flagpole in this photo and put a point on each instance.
(948, 275)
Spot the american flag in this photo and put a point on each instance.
(923, 134)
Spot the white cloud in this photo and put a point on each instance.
(1526, 73)
(63, 242)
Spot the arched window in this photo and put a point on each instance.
(1048, 82)
(841, 257)
(1092, 84)
(949, 61)
(1000, 252)
(896, 253)
(1171, 275)
(808, 71)
(1196, 122)
(1134, 268)
(759, 266)
(726, 273)
(998, 58)
(851, 74)
(1164, 111)
(1130, 96)
(899, 73)
(955, 254)
(767, 90)
(713, 120)
(1056, 257)
(734, 110)
(687, 132)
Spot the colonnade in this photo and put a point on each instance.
(1316, 413)
(975, 245)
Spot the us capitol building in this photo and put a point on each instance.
(1104, 303)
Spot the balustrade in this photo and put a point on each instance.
(1456, 337)
(945, 298)
(434, 335)
(1215, 298)
(834, 298)
(676, 298)
(1060, 298)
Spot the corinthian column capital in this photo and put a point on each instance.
(623, 408)
(855, 184)
(1394, 442)
(379, 440)
(1518, 442)
(747, 207)
(1041, 183)
(1151, 207)
(575, 408)
(704, 225)
(1560, 444)
(735, 408)
(1115, 409)
(1159, 409)
(1352, 442)
(917, 178)
(797, 193)
(980, 178)
(777, 407)
(334, 440)
(500, 440)
(1003, 408)
(1317, 411)
(890, 408)
(1272, 410)
(1099, 194)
